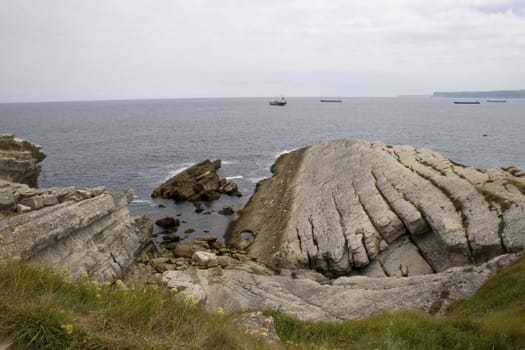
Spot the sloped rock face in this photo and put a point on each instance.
(19, 160)
(78, 229)
(356, 207)
(341, 299)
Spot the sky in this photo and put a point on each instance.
(56, 50)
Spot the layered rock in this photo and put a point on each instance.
(19, 160)
(301, 296)
(78, 229)
(352, 206)
(197, 183)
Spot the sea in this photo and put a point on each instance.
(141, 143)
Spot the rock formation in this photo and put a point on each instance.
(301, 295)
(73, 228)
(355, 207)
(197, 183)
(77, 229)
(19, 160)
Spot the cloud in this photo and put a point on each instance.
(59, 49)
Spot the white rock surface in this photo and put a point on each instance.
(353, 206)
(345, 298)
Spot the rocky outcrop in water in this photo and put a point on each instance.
(356, 207)
(197, 183)
(19, 160)
(78, 229)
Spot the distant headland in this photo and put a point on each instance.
(482, 94)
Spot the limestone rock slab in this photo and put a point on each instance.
(337, 207)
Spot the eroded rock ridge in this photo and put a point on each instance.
(358, 207)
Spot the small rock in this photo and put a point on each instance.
(208, 239)
(205, 259)
(20, 208)
(198, 207)
(226, 211)
(162, 206)
(172, 237)
(189, 230)
(167, 222)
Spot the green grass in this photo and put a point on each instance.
(41, 309)
(7, 213)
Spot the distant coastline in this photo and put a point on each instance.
(482, 94)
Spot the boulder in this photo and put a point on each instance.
(205, 259)
(358, 207)
(19, 160)
(198, 183)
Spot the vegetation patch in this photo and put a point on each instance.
(492, 197)
(7, 213)
(40, 309)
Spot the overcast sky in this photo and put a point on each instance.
(118, 49)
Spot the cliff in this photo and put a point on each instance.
(78, 229)
(19, 160)
(482, 94)
(357, 207)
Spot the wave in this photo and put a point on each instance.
(178, 170)
(254, 180)
(278, 154)
(234, 177)
(229, 162)
(145, 201)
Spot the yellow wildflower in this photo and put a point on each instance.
(68, 328)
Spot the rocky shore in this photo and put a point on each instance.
(343, 230)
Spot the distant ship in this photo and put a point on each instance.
(329, 100)
(281, 102)
(502, 101)
(466, 102)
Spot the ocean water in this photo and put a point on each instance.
(141, 143)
